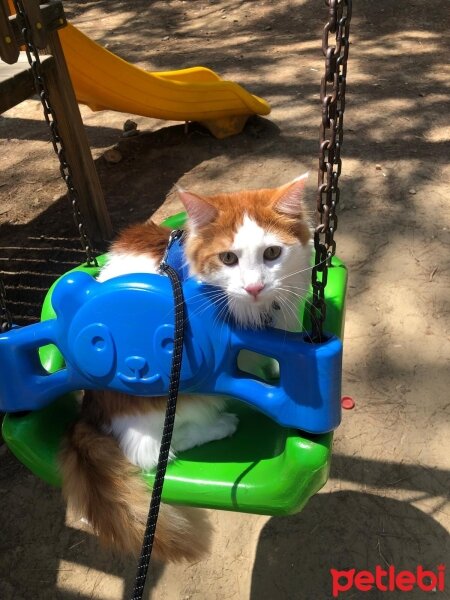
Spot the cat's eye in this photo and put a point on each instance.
(272, 252)
(228, 258)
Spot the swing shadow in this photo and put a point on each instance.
(295, 554)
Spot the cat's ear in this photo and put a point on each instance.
(199, 211)
(290, 197)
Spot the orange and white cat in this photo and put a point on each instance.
(255, 247)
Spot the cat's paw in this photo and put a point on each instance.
(223, 427)
(196, 434)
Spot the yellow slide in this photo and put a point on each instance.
(104, 81)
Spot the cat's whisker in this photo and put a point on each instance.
(309, 268)
(199, 298)
(310, 312)
(308, 303)
(284, 305)
(223, 312)
(227, 315)
(300, 290)
(298, 287)
(225, 302)
(204, 307)
(299, 301)
(217, 300)
(293, 308)
(205, 298)
(301, 297)
(208, 293)
(290, 306)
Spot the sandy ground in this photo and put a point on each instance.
(387, 499)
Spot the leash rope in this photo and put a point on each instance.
(169, 420)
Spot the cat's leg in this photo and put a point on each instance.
(200, 419)
(139, 437)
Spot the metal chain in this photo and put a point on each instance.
(332, 97)
(50, 117)
(5, 315)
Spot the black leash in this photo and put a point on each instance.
(169, 420)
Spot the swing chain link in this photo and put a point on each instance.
(50, 117)
(332, 97)
(5, 315)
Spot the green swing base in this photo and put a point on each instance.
(263, 468)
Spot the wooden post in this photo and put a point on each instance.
(70, 125)
(38, 31)
(9, 49)
(45, 20)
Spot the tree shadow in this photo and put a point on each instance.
(21, 128)
(395, 105)
(33, 255)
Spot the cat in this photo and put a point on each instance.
(255, 247)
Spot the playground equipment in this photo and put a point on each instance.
(18, 82)
(102, 80)
(266, 467)
(135, 357)
(79, 68)
(98, 351)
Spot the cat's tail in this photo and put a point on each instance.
(106, 489)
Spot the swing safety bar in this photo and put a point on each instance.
(133, 355)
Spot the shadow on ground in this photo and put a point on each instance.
(35, 254)
(295, 554)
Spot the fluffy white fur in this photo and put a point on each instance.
(285, 279)
(198, 420)
(121, 263)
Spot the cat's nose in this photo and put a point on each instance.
(254, 288)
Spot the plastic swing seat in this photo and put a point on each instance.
(263, 468)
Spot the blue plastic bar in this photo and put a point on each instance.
(130, 350)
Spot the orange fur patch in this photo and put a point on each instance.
(202, 249)
(146, 238)
(101, 406)
(101, 485)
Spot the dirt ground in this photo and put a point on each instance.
(387, 498)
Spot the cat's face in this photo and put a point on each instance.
(254, 245)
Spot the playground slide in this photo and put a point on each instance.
(102, 80)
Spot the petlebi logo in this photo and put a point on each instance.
(388, 580)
